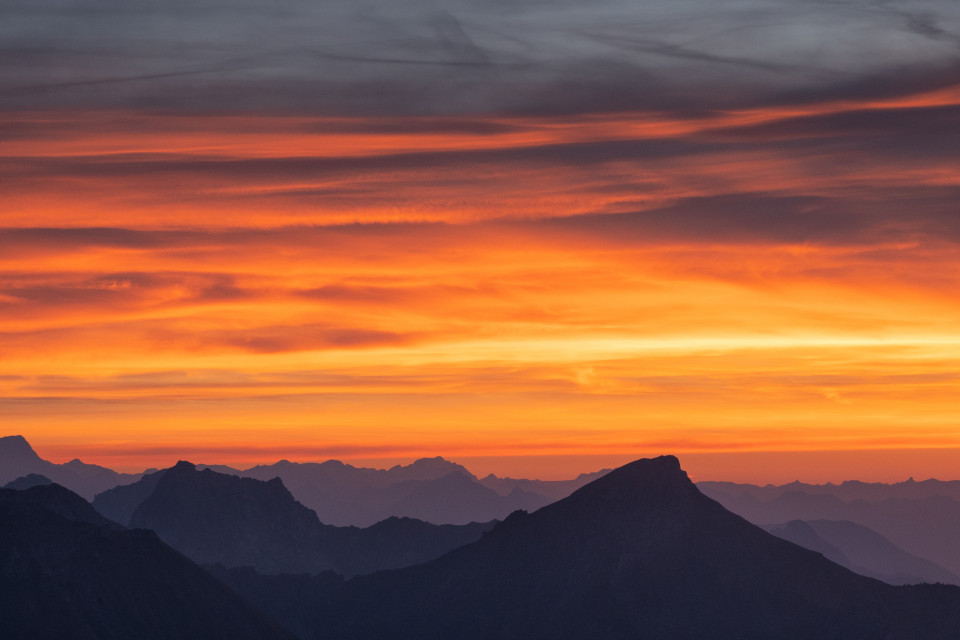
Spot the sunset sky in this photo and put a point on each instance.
(538, 239)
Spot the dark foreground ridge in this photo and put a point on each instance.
(639, 553)
(67, 572)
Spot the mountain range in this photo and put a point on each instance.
(926, 526)
(217, 518)
(909, 528)
(638, 553)
(68, 572)
(17, 459)
(431, 489)
(863, 551)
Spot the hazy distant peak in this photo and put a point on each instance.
(592, 474)
(28, 481)
(17, 447)
(428, 469)
(801, 497)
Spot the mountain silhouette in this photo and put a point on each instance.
(638, 553)
(70, 573)
(215, 518)
(17, 459)
(552, 489)
(863, 551)
(27, 481)
(458, 498)
(431, 489)
(847, 491)
(121, 501)
(926, 527)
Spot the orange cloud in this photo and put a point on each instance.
(250, 286)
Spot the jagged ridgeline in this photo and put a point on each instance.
(639, 553)
(217, 518)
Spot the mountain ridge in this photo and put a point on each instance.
(69, 573)
(233, 521)
(640, 552)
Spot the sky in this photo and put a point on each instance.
(541, 237)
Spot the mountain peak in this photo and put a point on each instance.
(28, 481)
(16, 448)
(653, 476)
(183, 465)
(638, 552)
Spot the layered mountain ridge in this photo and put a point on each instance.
(926, 525)
(216, 518)
(18, 459)
(639, 552)
(70, 573)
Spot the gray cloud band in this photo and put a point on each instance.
(453, 56)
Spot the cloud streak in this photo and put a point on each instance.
(452, 56)
(574, 229)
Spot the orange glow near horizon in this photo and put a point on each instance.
(558, 292)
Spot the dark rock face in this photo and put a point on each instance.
(216, 518)
(66, 572)
(120, 502)
(639, 553)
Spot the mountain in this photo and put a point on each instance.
(347, 477)
(457, 498)
(290, 598)
(431, 489)
(215, 518)
(924, 527)
(27, 481)
(553, 489)
(863, 551)
(17, 458)
(638, 553)
(847, 491)
(70, 573)
(121, 501)
(57, 500)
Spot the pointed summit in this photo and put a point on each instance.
(428, 469)
(644, 482)
(16, 448)
(18, 459)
